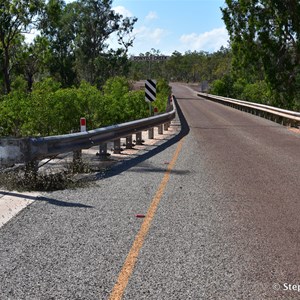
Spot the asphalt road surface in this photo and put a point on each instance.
(222, 206)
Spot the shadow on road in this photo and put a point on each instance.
(63, 203)
(126, 165)
(49, 200)
(158, 170)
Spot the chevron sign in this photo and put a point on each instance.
(150, 90)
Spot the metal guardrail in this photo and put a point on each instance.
(282, 116)
(25, 150)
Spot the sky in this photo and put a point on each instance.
(172, 25)
(175, 25)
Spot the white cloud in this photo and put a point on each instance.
(152, 15)
(149, 35)
(123, 11)
(157, 34)
(208, 41)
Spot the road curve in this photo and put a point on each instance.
(223, 220)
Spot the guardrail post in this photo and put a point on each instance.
(103, 151)
(117, 146)
(160, 129)
(139, 138)
(129, 142)
(151, 133)
(166, 126)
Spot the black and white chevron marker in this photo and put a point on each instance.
(150, 90)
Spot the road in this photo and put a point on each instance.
(222, 209)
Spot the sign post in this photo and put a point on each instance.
(150, 92)
(150, 85)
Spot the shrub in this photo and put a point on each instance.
(258, 92)
(14, 110)
(52, 110)
(163, 91)
(218, 87)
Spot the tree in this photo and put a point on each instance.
(189, 67)
(95, 24)
(265, 34)
(110, 64)
(78, 34)
(58, 26)
(16, 16)
(32, 60)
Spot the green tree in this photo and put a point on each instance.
(16, 16)
(96, 22)
(33, 60)
(265, 34)
(176, 67)
(58, 26)
(78, 34)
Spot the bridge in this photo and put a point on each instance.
(211, 213)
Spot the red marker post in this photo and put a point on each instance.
(82, 124)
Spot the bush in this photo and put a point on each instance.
(14, 110)
(91, 104)
(163, 91)
(238, 88)
(135, 106)
(258, 92)
(218, 87)
(51, 110)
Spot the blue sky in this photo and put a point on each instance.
(172, 25)
(169, 25)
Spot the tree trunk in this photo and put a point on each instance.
(7, 83)
(29, 82)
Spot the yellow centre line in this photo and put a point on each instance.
(132, 256)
